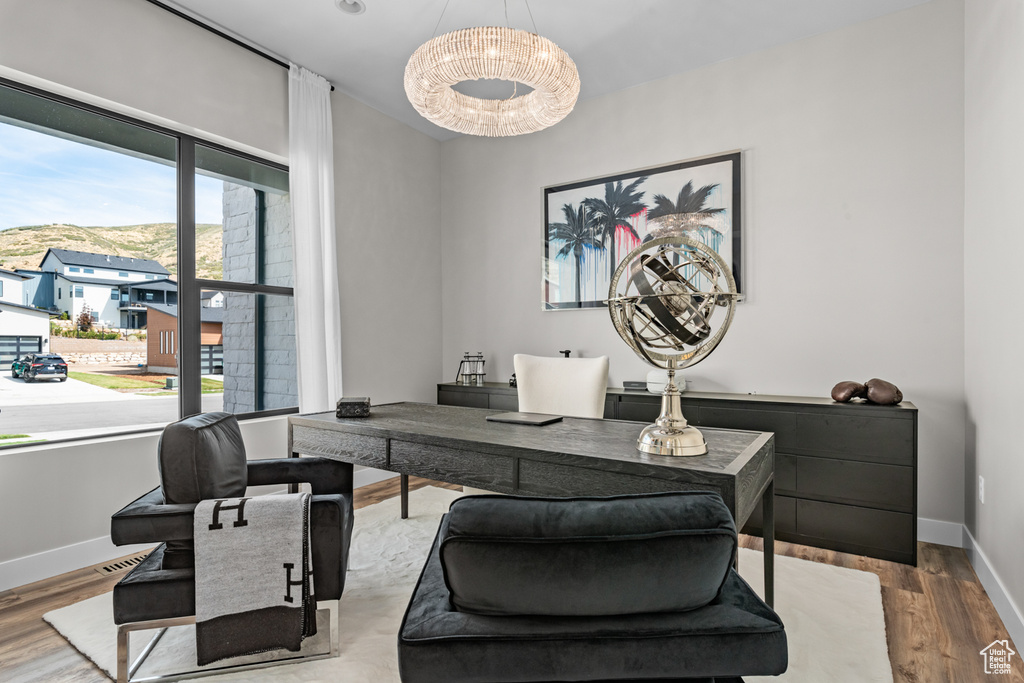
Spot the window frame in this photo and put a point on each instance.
(189, 287)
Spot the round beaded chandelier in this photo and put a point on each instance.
(492, 52)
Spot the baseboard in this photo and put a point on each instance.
(1008, 610)
(940, 532)
(24, 570)
(367, 475)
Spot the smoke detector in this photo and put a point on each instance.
(350, 6)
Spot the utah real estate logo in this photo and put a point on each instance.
(997, 657)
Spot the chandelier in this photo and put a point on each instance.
(492, 52)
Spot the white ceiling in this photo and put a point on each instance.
(616, 44)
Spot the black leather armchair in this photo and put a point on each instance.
(203, 457)
(623, 588)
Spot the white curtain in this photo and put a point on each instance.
(314, 258)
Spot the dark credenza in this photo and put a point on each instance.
(845, 474)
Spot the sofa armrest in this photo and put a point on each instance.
(323, 474)
(149, 520)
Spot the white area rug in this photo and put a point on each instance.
(833, 615)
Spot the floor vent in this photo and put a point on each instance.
(121, 565)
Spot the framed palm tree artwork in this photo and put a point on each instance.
(590, 225)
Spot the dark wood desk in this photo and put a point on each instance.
(569, 458)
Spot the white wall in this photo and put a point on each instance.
(12, 287)
(853, 173)
(18, 321)
(993, 243)
(139, 59)
(388, 193)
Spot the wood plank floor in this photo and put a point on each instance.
(937, 615)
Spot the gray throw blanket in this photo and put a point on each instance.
(254, 582)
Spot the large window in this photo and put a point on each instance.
(176, 254)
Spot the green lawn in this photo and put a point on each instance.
(115, 381)
(209, 386)
(13, 436)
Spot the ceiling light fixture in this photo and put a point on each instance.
(492, 52)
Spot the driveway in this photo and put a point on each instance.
(17, 392)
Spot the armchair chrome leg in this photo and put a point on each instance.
(145, 652)
(122, 654)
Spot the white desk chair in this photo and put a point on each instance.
(573, 387)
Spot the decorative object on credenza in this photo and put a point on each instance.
(512, 381)
(657, 380)
(471, 369)
(497, 53)
(663, 300)
(353, 407)
(590, 224)
(566, 353)
(873, 391)
(629, 385)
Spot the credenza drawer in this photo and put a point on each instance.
(646, 411)
(547, 479)
(355, 448)
(890, 487)
(867, 438)
(470, 399)
(860, 527)
(469, 468)
(785, 517)
(508, 402)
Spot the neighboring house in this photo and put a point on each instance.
(23, 329)
(162, 339)
(210, 299)
(115, 288)
(38, 289)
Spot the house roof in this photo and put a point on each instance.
(83, 258)
(11, 272)
(30, 309)
(206, 315)
(79, 280)
(162, 285)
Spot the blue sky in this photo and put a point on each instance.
(45, 179)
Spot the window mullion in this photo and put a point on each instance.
(189, 325)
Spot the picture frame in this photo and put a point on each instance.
(590, 225)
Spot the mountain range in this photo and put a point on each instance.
(24, 247)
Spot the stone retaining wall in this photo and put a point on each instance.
(73, 345)
(104, 358)
(99, 351)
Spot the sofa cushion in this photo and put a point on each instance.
(634, 554)
(202, 457)
(736, 634)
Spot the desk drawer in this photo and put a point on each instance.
(547, 479)
(355, 448)
(469, 468)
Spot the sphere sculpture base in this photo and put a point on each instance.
(670, 435)
(658, 441)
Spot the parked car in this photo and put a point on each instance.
(40, 366)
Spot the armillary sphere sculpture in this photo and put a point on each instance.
(672, 299)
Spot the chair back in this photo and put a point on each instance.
(573, 387)
(202, 457)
